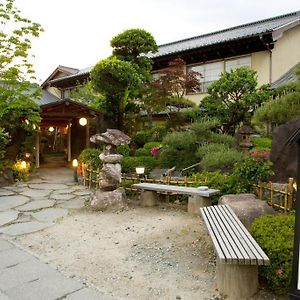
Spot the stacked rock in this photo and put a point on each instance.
(110, 196)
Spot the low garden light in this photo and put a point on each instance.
(82, 121)
(27, 155)
(51, 129)
(75, 165)
(23, 164)
(140, 170)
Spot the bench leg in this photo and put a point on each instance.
(148, 198)
(195, 202)
(237, 281)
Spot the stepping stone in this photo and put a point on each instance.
(8, 202)
(50, 214)
(83, 193)
(76, 204)
(48, 186)
(23, 218)
(62, 196)
(36, 205)
(79, 187)
(8, 217)
(67, 191)
(24, 228)
(85, 294)
(4, 192)
(36, 193)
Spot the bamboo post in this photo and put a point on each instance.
(90, 178)
(286, 199)
(290, 192)
(83, 174)
(271, 193)
(185, 181)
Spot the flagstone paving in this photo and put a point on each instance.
(27, 207)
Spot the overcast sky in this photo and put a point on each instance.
(78, 32)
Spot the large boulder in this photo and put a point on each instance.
(112, 201)
(283, 156)
(247, 207)
(110, 177)
(6, 177)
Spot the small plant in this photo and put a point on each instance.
(130, 163)
(249, 171)
(142, 152)
(90, 156)
(262, 143)
(275, 235)
(21, 170)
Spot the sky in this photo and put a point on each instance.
(78, 32)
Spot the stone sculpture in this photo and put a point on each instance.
(110, 195)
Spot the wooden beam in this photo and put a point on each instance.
(37, 150)
(87, 133)
(69, 142)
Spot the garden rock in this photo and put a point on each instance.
(6, 178)
(247, 207)
(114, 200)
(110, 177)
(283, 156)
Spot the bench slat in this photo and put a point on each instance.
(232, 241)
(214, 236)
(236, 255)
(262, 258)
(238, 239)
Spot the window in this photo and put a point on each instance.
(238, 63)
(209, 73)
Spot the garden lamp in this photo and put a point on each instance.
(75, 165)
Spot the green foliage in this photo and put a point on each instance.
(142, 137)
(90, 156)
(181, 140)
(18, 112)
(275, 235)
(262, 143)
(214, 180)
(4, 139)
(142, 152)
(20, 173)
(130, 163)
(223, 160)
(249, 171)
(130, 44)
(155, 133)
(233, 98)
(87, 95)
(123, 150)
(168, 158)
(150, 145)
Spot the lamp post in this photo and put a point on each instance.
(75, 165)
(295, 282)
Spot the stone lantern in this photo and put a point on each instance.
(110, 195)
(244, 134)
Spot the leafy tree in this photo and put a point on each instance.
(120, 76)
(170, 87)
(284, 108)
(3, 142)
(18, 112)
(233, 98)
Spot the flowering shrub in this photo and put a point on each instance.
(260, 155)
(275, 235)
(154, 151)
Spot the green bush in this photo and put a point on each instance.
(223, 160)
(3, 142)
(275, 235)
(262, 143)
(20, 173)
(168, 158)
(181, 140)
(158, 132)
(123, 150)
(90, 156)
(223, 139)
(142, 137)
(130, 163)
(215, 180)
(249, 171)
(142, 152)
(150, 145)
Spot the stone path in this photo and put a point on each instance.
(37, 204)
(26, 208)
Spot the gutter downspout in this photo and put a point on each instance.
(270, 58)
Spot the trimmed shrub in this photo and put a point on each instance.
(123, 150)
(90, 156)
(275, 235)
(215, 180)
(142, 152)
(142, 137)
(181, 140)
(262, 143)
(158, 132)
(151, 145)
(130, 163)
(168, 158)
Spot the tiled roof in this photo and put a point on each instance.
(46, 98)
(234, 33)
(288, 77)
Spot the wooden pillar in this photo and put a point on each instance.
(87, 133)
(37, 150)
(69, 142)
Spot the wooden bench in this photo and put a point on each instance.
(197, 198)
(238, 254)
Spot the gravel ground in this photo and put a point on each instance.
(140, 253)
